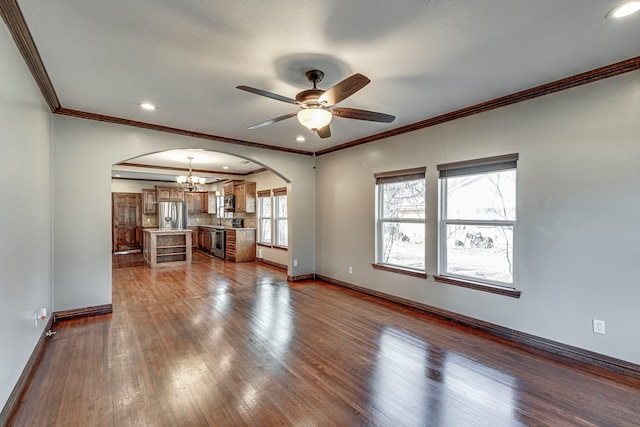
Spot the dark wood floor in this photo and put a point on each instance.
(224, 344)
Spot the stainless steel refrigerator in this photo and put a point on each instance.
(172, 215)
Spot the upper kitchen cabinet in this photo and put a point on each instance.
(196, 202)
(245, 193)
(148, 201)
(228, 188)
(169, 194)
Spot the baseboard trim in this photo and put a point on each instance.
(25, 376)
(272, 263)
(310, 276)
(75, 313)
(559, 350)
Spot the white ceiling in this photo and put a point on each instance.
(424, 58)
(166, 165)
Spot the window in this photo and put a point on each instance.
(400, 229)
(264, 217)
(478, 218)
(281, 230)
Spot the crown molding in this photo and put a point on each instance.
(13, 18)
(177, 131)
(601, 73)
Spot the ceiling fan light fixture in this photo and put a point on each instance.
(625, 9)
(314, 118)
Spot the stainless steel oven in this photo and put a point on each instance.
(217, 242)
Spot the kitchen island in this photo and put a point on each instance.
(166, 247)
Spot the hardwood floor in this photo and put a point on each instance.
(224, 344)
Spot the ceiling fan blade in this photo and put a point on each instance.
(354, 113)
(271, 121)
(267, 94)
(344, 89)
(324, 132)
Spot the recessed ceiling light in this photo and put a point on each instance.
(300, 138)
(147, 106)
(225, 167)
(624, 9)
(117, 176)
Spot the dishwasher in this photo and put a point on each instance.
(217, 242)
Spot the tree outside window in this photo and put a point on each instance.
(478, 218)
(281, 221)
(400, 231)
(264, 217)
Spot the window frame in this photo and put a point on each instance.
(381, 220)
(474, 167)
(264, 194)
(276, 219)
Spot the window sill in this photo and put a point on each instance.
(282, 248)
(266, 245)
(399, 270)
(509, 292)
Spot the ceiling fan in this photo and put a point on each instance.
(318, 106)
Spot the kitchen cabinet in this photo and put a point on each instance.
(245, 193)
(205, 240)
(195, 239)
(166, 248)
(196, 202)
(148, 201)
(240, 244)
(169, 194)
(228, 188)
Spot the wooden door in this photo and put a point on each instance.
(127, 221)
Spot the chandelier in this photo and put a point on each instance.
(190, 182)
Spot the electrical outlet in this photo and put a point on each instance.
(598, 326)
(295, 262)
(350, 270)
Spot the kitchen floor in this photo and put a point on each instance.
(135, 259)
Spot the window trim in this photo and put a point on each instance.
(473, 167)
(279, 192)
(387, 178)
(262, 194)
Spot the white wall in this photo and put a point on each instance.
(578, 231)
(82, 207)
(25, 245)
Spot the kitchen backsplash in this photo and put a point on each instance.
(250, 221)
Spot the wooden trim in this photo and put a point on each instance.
(167, 181)
(562, 352)
(17, 26)
(592, 76)
(399, 270)
(479, 162)
(301, 277)
(509, 292)
(272, 263)
(281, 191)
(26, 375)
(139, 165)
(264, 245)
(280, 248)
(257, 171)
(263, 193)
(413, 171)
(176, 131)
(75, 313)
